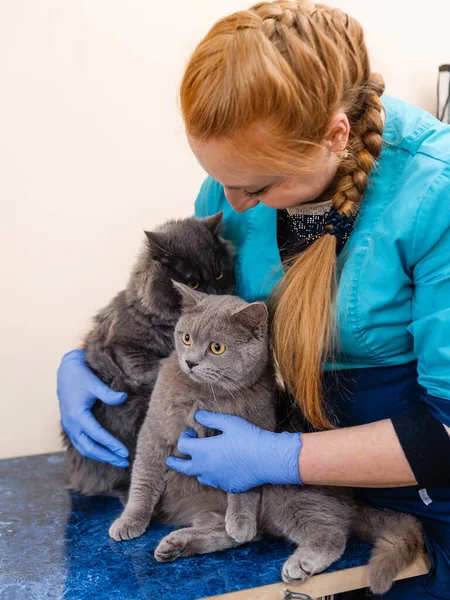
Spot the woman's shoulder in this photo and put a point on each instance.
(415, 131)
(414, 166)
(409, 195)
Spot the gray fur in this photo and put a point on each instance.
(241, 382)
(398, 541)
(135, 331)
(178, 393)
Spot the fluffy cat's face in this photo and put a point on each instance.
(193, 252)
(221, 340)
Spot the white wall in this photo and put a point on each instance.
(406, 44)
(92, 151)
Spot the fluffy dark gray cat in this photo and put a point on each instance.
(222, 363)
(135, 331)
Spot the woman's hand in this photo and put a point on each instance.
(78, 389)
(242, 457)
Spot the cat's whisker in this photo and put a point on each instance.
(230, 391)
(232, 383)
(227, 383)
(215, 399)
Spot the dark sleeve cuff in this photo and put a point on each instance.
(426, 445)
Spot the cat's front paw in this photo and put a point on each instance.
(127, 528)
(241, 528)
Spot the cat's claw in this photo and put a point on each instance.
(126, 528)
(241, 529)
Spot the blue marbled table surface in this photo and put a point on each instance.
(54, 544)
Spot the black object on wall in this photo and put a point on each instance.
(443, 103)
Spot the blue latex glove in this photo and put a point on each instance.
(78, 389)
(242, 457)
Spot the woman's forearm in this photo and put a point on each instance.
(364, 456)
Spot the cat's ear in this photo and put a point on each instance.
(157, 245)
(253, 317)
(189, 297)
(214, 223)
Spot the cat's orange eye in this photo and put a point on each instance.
(195, 285)
(217, 348)
(186, 339)
(219, 277)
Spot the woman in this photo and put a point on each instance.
(310, 165)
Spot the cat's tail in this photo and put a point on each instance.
(398, 542)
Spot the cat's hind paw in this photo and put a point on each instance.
(241, 528)
(296, 571)
(126, 528)
(170, 548)
(303, 564)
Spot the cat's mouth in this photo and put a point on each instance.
(208, 376)
(190, 371)
(196, 377)
(200, 376)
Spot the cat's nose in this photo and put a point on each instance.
(191, 364)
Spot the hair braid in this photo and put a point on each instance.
(301, 369)
(365, 146)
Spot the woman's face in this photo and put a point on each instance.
(246, 186)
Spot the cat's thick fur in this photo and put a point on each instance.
(240, 381)
(134, 332)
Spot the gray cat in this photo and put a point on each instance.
(222, 363)
(135, 331)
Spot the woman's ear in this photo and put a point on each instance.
(338, 133)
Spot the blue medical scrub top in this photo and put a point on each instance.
(393, 301)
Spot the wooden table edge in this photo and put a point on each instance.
(324, 584)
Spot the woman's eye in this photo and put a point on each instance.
(258, 193)
(217, 348)
(219, 277)
(195, 285)
(186, 339)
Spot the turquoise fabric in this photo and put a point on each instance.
(393, 303)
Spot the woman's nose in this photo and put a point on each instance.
(239, 201)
